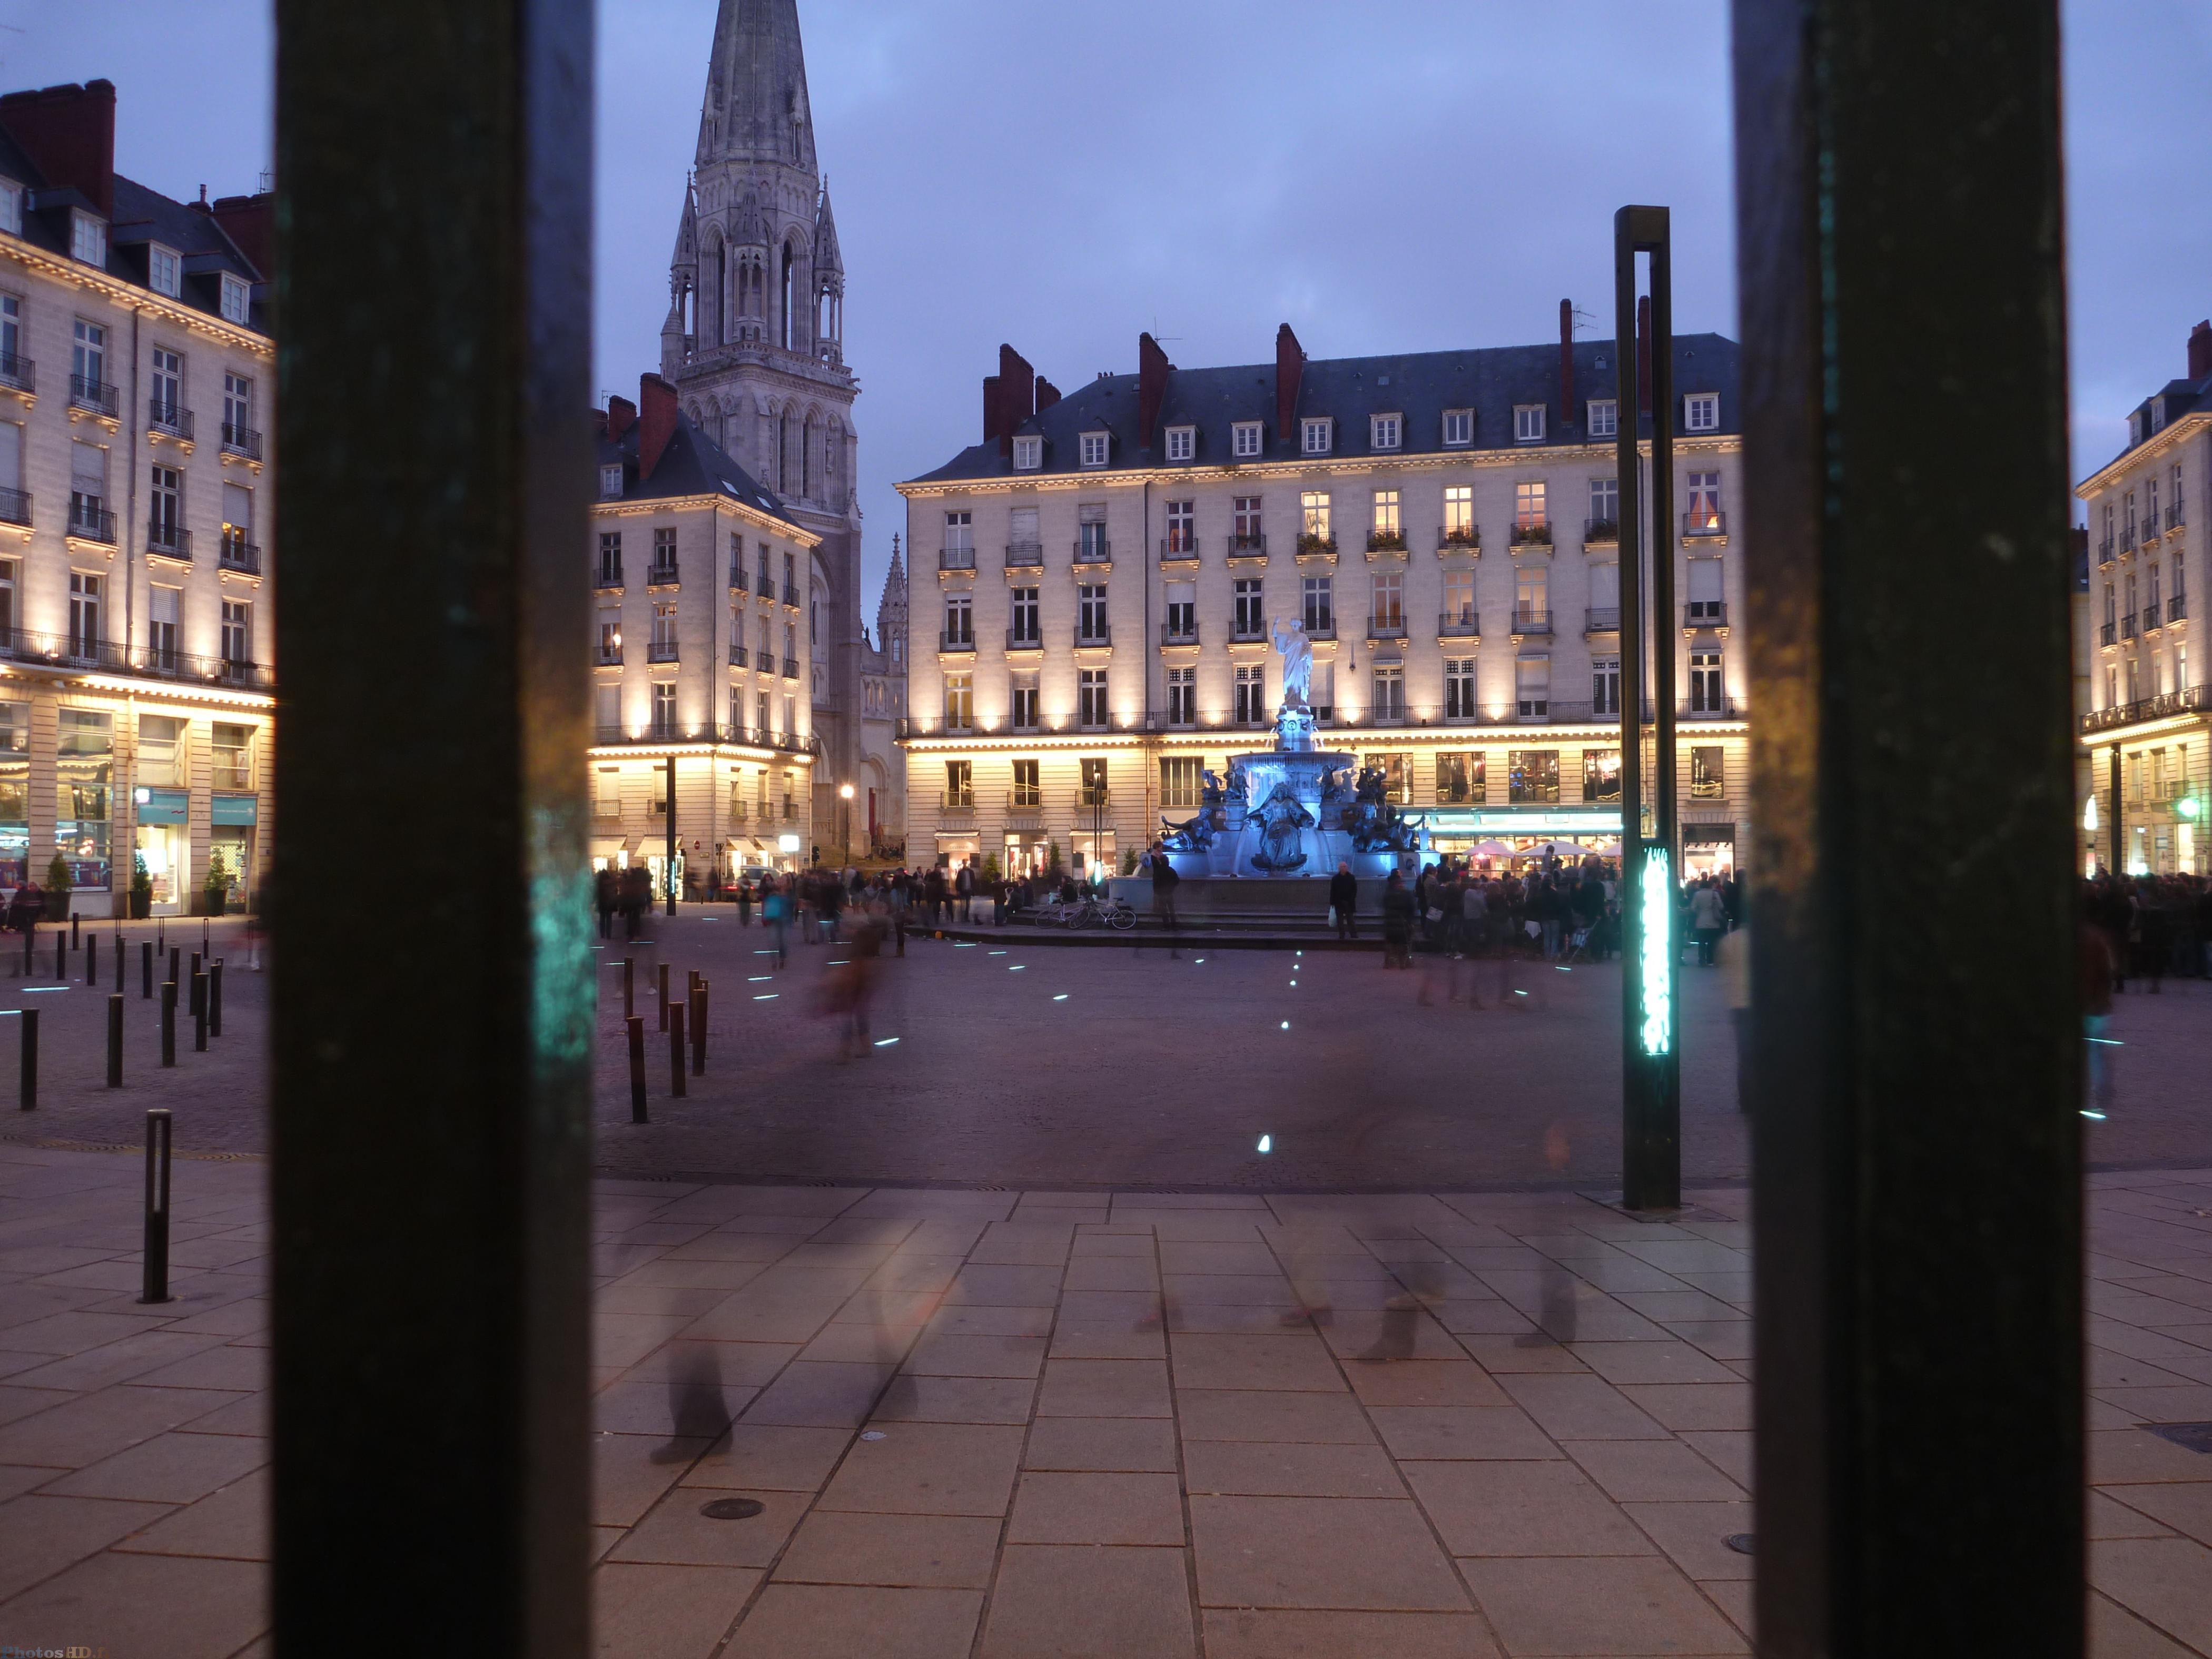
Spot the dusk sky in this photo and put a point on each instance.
(1401, 178)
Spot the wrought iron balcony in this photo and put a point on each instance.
(608, 578)
(1526, 619)
(2107, 634)
(87, 391)
(1602, 532)
(1247, 547)
(15, 507)
(1091, 549)
(2104, 551)
(1094, 796)
(1602, 619)
(607, 656)
(767, 586)
(1706, 708)
(1309, 543)
(2128, 626)
(1322, 627)
(956, 639)
(661, 651)
(1709, 522)
(164, 416)
(2176, 608)
(955, 800)
(2152, 618)
(1024, 639)
(2174, 517)
(1462, 624)
(950, 558)
(238, 440)
(2128, 539)
(20, 373)
(1386, 628)
(1101, 633)
(168, 539)
(1179, 547)
(1021, 555)
(1240, 634)
(661, 575)
(235, 553)
(2160, 707)
(89, 521)
(1027, 802)
(153, 659)
(740, 657)
(1386, 541)
(1705, 613)
(791, 596)
(1459, 538)
(1178, 633)
(1529, 535)
(791, 668)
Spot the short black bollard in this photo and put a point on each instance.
(146, 963)
(73, 935)
(158, 1128)
(199, 1013)
(663, 995)
(168, 1021)
(122, 956)
(30, 1101)
(698, 1026)
(61, 956)
(194, 979)
(215, 997)
(636, 1028)
(176, 963)
(629, 988)
(161, 933)
(206, 948)
(115, 1041)
(674, 1049)
(92, 960)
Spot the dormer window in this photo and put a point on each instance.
(88, 239)
(165, 271)
(1095, 445)
(236, 299)
(11, 207)
(2158, 414)
(611, 482)
(1383, 430)
(1528, 424)
(1182, 442)
(1701, 412)
(1244, 439)
(1029, 454)
(2136, 427)
(1314, 435)
(1604, 417)
(1459, 427)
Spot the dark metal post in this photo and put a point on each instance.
(200, 1012)
(168, 1021)
(698, 1027)
(155, 1288)
(662, 980)
(30, 1098)
(1651, 1102)
(197, 982)
(30, 942)
(115, 1040)
(676, 1048)
(176, 963)
(74, 936)
(441, 486)
(635, 1025)
(2118, 863)
(146, 969)
(1917, 1201)
(122, 956)
(61, 956)
(215, 997)
(92, 960)
(668, 862)
(629, 987)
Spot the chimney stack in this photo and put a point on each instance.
(2200, 351)
(621, 415)
(1048, 394)
(1153, 367)
(250, 222)
(69, 133)
(1290, 368)
(1566, 362)
(1009, 398)
(656, 425)
(1644, 355)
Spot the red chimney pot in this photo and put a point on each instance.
(656, 424)
(1566, 362)
(1152, 368)
(1290, 369)
(621, 415)
(69, 133)
(2200, 351)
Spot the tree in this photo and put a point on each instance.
(57, 886)
(218, 881)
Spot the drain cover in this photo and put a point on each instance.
(2197, 1436)
(1739, 1542)
(731, 1509)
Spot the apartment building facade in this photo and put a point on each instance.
(700, 655)
(136, 495)
(2146, 740)
(1111, 565)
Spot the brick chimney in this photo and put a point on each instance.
(1290, 369)
(1048, 394)
(621, 415)
(2200, 351)
(250, 222)
(657, 425)
(1643, 353)
(1153, 367)
(1566, 362)
(1009, 398)
(69, 133)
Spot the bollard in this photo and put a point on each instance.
(122, 956)
(115, 1041)
(674, 1049)
(636, 1028)
(158, 1129)
(61, 956)
(74, 936)
(197, 982)
(168, 1021)
(176, 961)
(663, 995)
(161, 933)
(146, 964)
(30, 1102)
(199, 1013)
(92, 960)
(215, 998)
(206, 948)
(698, 1026)
(629, 988)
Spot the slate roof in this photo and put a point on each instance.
(1417, 386)
(692, 464)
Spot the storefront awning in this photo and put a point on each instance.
(236, 810)
(154, 806)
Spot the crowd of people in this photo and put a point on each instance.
(2157, 927)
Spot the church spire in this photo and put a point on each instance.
(756, 108)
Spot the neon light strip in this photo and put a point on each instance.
(1655, 892)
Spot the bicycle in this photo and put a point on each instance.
(1090, 913)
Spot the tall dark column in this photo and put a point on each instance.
(2117, 862)
(1918, 1046)
(433, 1002)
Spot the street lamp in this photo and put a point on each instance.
(845, 820)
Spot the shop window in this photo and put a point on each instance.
(1601, 775)
(84, 780)
(161, 751)
(231, 748)
(1460, 779)
(1179, 781)
(607, 793)
(1396, 784)
(1533, 777)
(1708, 782)
(14, 793)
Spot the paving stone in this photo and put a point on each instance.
(1096, 1508)
(1282, 1633)
(1693, 1537)
(1089, 1603)
(1104, 1387)
(671, 1613)
(929, 1468)
(123, 1604)
(820, 1395)
(1651, 1471)
(231, 1523)
(1592, 1605)
(1423, 1383)
(1272, 1415)
(938, 1551)
(170, 1468)
(630, 1471)
(2167, 1581)
(1287, 1470)
(2115, 1633)
(1007, 1287)
(675, 1532)
(1105, 1340)
(1319, 1552)
(1437, 1434)
(1581, 1408)
(771, 1457)
(956, 1354)
(1136, 1444)
(1521, 1508)
(822, 1621)
(911, 1399)
(46, 1535)
(1297, 1360)
(83, 1429)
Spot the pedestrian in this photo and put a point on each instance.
(1344, 900)
(963, 886)
(775, 910)
(744, 902)
(1735, 963)
(1397, 923)
(1708, 921)
(604, 896)
(2095, 974)
(1165, 879)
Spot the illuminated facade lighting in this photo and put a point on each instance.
(1655, 950)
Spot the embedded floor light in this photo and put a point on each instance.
(1266, 1143)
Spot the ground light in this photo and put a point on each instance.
(771, 997)
(761, 979)
(883, 1042)
(1062, 997)
(1266, 1143)
(1286, 1025)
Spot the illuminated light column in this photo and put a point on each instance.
(1650, 1085)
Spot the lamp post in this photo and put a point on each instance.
(845, 821)
(668, 861)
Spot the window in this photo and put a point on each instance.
(1251, 695)
(1701, 412)
(1182, 697)
(1027, 791)
(1532, 686)
(959, 537)
(1459, 512)
(1459, 427)
(2151, 505)
(1604, 417)
(237, 409)
(767, 583)
(2174, 515)
(664, 718)
(1094, 785)
(959, 620)
(1528, 423)
(1244, 525)
(1707, 780)
(1090, 624)
(1320, 613)
(1382, 430)
(164, 605)
(238, 526)
(1605, 685)
(1091, 546)
(236, 300)
(87, 490)
(1601, 776)
(83, 773)
(166, 510)
(1314, 435)
(1022, 712)
(736, 561)
(237, 635)
(1248, 620)
(790, 652)
(1393, 769)
(1459, 687)
(1604, 523)
(1094, 449)
(87, 359)
(1532, 608)
(790, 581)
(1459, 598)
(1244, 439)
(611, 482)
(1029, 454)
(1389, 595)
(1387, 531)
(87, 239)
(662, 642)
(664, 556)
(11, 336)
(960, 783)
(960, 701)
(165, 402)
(1530, 508)
(11, 207)
(1179, 781)
(1460, 779)
(760, 725)
(1705, 694)
(1182, 528)
(1182, 611)
(1705, 604)
(1091, 696)
(165, 271)
(1704, 517)
(161, 751)
(1324, 689)
(1023, 617)
(1389, 688)
(1182, 442)
(84, 614)
(1313, 533)
(232, 749)
(1532, 777)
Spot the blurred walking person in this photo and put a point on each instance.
(2094, 957)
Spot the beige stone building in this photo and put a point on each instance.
(2146, 738)
(137, 488)
(1110, 566)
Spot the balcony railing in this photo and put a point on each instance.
(1600, 531)
(1310, 544)
(608, 577)
(164, 416)
(950, 558)
(1386, 541)
(1706, 708)
(1178, 633)
(1459, 625)
(2160, 707)
(1705, 613)
(2152, 617)
(791, 596)
(1024, 639)
(740, 657)
(2176, 608)
(2174, 517)
(607, 656)
(1178, 546)
(2104, 553)
(956, 639)
(752, 737)
(240, 439)
(1101, 633)
(1094, 796)
(19, 373)
(767, 586)
(955, 800)
(2128, 539)
(1247, 547)
(1530, 535)
(1024, 556)
(15, 507)
(1317, 628)
(2108, 633)
(1029, 802)
(661, 651)
(90, 521)
(97, 395)
(1239, 635)
(169, 539)
(235, 553)
(154, 660)
(1526, 619)
(1708, 522)
(2128, 626)
(1459, 538)
(1386, 628)
(1093, 550)
(661, 575)
(1602, 619)
(791, 668)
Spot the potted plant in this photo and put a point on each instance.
(1128, 861)
(218, 882)
(141, 889)
(58, 887)
(991, 871)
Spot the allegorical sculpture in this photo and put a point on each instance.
(1280, 817)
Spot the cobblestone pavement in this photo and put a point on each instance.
(1045, 1424)
(1019, 1064)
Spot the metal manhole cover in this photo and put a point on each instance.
(2197, 1436)
(1739, 1542)
(731, 1509)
